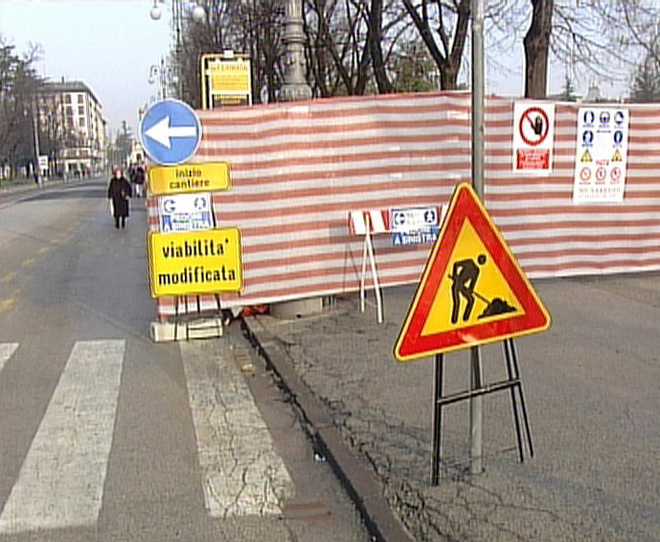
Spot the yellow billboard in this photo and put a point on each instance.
(184, 178)
(226, 80)
(195, 262)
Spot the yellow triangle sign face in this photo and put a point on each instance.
(617, 156)
(472, 291)
(586, 157)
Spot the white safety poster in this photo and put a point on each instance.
(185, 212)
(533, 137)
(601, 154)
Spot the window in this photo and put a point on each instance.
(81, 109)
(81, 98)
(67, 98)
(81, 121)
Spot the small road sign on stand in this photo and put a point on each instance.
(472, 291)
(170, 132)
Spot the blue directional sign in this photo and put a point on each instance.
(170, 132)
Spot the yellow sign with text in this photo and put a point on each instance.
(230, 76)
(195, 262)
(189, 178)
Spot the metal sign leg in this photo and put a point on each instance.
(514, 402)
(437, 420)
(523, 407)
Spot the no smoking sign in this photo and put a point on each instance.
(533, 137)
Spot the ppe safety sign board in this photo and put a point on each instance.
(602, 135)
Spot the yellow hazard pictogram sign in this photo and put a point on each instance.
(586, 157)
(472, 291)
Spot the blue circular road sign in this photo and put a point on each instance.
(170, 132)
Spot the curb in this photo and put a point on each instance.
(361, 485)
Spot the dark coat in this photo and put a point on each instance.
(119, 192)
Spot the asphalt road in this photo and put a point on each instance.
(592, 387)
(105, 435)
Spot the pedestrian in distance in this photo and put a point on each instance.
(137, 175)
(119, 192)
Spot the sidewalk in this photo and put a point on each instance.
(591, 385)
(24, 185)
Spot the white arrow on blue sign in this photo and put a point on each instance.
(170, 132)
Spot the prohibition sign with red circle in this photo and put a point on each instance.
(526, 116)
(585, 174)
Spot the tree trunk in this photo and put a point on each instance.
(537, 45)
(375, 46)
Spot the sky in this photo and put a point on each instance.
(110, 45)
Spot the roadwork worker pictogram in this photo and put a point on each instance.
(464, 279)
(465, 274)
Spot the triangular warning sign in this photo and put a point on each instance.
(586, 157)
(617, 156)
(472, 291)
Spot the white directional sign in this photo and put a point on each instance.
(415, 225)
(170, 132)
(163, 132)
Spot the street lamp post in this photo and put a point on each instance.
(178, 9)
(161, 73)
(295, 86)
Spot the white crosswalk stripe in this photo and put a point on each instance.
(60, 483)
(61, 480)
(243, 473)
(6, 351)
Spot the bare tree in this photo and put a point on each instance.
(249, 28)
(347, 40)
(645, 86)
(18, 87)
(443, 27)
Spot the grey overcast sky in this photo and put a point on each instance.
(109, 45)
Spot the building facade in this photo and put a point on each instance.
(72, 129)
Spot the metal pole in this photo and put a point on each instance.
(437, 420)
(295, 86)
(35, 128)
(476, 369)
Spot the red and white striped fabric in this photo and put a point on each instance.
(299, 168)
(359, 222)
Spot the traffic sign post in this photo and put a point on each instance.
(170, 132)
(188, 256)
(472, 292)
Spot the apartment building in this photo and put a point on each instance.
(72, 129)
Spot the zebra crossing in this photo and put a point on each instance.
(62, 477)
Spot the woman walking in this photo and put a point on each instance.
(119, 192)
